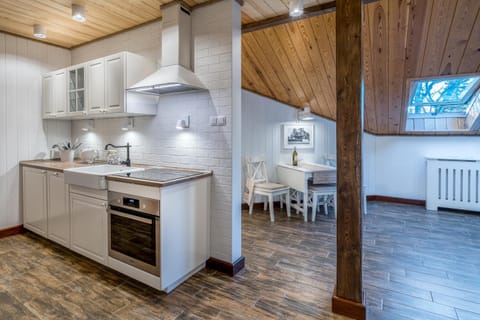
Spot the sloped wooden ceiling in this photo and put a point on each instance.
(294, 63)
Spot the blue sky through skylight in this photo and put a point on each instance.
(442, 97)
(443, 91)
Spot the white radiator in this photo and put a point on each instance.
(453, 184)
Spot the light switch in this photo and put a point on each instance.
(212, 121)
(217, 121)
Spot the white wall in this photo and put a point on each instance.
(144, 40)
(262, 120)
(23, 134)
(399, 166)
(155, 139)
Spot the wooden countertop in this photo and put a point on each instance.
(55, 165)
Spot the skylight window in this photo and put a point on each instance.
(451, 97)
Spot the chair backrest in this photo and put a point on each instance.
(257, 171)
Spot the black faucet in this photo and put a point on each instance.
(127, 146)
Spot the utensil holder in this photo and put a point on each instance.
(67, 155)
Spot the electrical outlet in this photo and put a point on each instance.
(221, 120)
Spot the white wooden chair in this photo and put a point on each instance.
(320, 194)
(258, 184)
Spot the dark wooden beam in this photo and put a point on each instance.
(309, 12)
(348, 296)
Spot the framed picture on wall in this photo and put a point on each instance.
(298, 135)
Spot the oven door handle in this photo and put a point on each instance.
(131, 216)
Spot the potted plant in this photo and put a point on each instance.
(67, 150)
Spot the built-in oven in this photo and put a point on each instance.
(134, 231)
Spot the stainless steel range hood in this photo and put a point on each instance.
(174, 75)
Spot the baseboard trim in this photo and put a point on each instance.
(11, 231)
(397, 200)
(226, 267)
(348, 308)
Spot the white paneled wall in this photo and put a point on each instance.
(23, 134)
(155, 139)
(398, 167)
(262, 120)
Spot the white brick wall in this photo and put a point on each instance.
(155, 139)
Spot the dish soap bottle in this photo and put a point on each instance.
(295, 157)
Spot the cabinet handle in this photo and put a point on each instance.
(85, 112)
(104, 204)
(56, 174)
(44, 171)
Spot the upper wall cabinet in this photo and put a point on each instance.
(76, 90)
(55, 94)
(97, 88)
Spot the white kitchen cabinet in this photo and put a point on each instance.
(115, 85)
(76, 90)
(89, 227)
(96, 86)
(45, 204)
(58, 215)
(55, 94)
(107, 81)
(48, 105)
(35, 200)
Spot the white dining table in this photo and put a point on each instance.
(296, 177)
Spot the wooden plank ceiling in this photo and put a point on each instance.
(294, 63)
(106, 17)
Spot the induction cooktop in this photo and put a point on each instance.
(160, 174)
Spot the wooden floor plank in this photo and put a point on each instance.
(289, 274)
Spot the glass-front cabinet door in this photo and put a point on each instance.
(76, 89)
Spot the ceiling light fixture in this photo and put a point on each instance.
(183, 124)
(296, 8)
(78, 13)
(39, 31)
(305, 114)
(128, 124)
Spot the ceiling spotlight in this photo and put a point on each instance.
(78, 13)
(39, 31)
(305, 114)
(296, 8)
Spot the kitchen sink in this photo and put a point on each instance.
(94, 176)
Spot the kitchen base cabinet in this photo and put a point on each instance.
(89, 227)
(58, 215)
(35, 200)
(45, 204)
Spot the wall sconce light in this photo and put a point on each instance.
(183, 124)
(296, 8)
(78, 13)
(128, 124)
(39, 31)
(89, 125)
(305, 114)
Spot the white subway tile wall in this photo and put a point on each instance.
(155, 139)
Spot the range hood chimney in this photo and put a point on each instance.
(174, 75)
